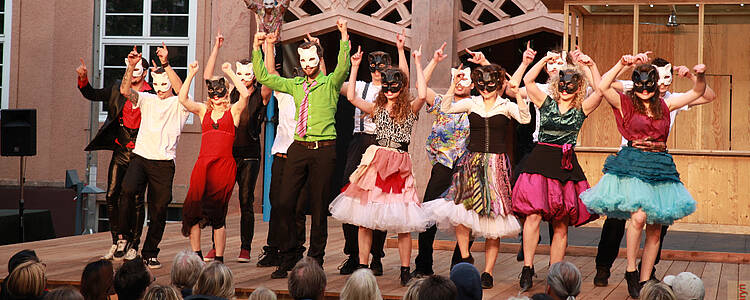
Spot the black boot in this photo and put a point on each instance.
(405, 276)
(526, 278)
(269, 258)
(487, 281)
(469, 260)
(602, 276)
(634, 287)
(376, 266)
(349, 265)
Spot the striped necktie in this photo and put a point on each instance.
(302, 120)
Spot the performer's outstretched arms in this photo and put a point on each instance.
(448, 106)
(358, 102)
(699, 88)
(528, 58)
(133, 58)
(708, 96)
(437, 57)
(192, 106)
(338, 76)
(174, 79)
(417, 104)
(477, 57)
(240, 105)
(84, 86)
(274, 82)
(536, 95)
(605, 85)
(520, 109)
(592, 71)
(208, 72)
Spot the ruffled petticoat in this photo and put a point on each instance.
(381, 194)
(634, 179)
(479, 197)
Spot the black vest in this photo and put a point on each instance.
(487, 135)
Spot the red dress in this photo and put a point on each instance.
(212, 179)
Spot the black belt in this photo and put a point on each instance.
(316, 144)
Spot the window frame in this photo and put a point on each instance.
(6, 40)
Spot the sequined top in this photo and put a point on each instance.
(556, 128)
(447, 140)
(390, 133)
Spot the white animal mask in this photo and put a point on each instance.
(138, 71)
(245, 71)
(161, 82)
(665, 74)
(268, 3)
(466, 81)
(308, 57)
(556, 64)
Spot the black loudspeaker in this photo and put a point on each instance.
(18, 132)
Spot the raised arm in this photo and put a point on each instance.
(240, 105)
(536, 95)
(520, 109)
(253, 5)
(528, 58)
(192, 106)
(274, 82)
(699, 87)
(448, 106)
(133, 58)
(88, 92)
(477, 57)
(174, 79)
(342, 65)
(269, 55)
(208, 72)
(400, 42)
(708, 96)
(605, 85)
(437, 57)
(592, 71)
(417, 104)
(351, 94)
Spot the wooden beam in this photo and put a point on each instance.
(580, 27)
(636, 20)
(655, 2)
(701, 31)
(566, 26)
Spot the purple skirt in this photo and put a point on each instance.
(553, 200)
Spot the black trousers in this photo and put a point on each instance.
(314, 166)
(609, 243)
(357, 147)
(118, 165)
(274, 240)
(158, 175)
(247, 175)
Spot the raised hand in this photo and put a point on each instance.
(258, 39)
(271, 38)
(226, 67)
(529, 54)
(642, 58)
(401, 39)
(219, 39)
(417, 54)
(162, 53)
(575, 54)
(82, 70)
(699, 69)
(627, 60)
(193, 68)
(312, 39)
(134, 57)
(440, 53)
(357, 57)
(341, 24)
(585, 60)
(476, 57)
(682, 71)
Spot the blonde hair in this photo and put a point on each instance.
(262, 293)
(162, 292)
(186, 268)
(583, 85)
(654, 290)
(215, 280)
(227, 85)
(361, 285)
(27, 280)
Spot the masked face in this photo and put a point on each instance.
(485, 80)
(465, 76)
(393, 81)
(569, 82)
(379, 61)
(138, 71)
(665, 74)
(308, 58)
(268, 4)
(644, 82)
(557, 64)
(217, 89)
(245, 72)
(161, 82)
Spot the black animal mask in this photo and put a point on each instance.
(486, 79)
(569, 81)
(216, 88)
(393, 80)
(645, 81)
(379, 61)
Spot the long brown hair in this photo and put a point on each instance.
(402, 105)
(654, 102)
(580, 94)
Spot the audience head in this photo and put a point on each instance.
(412, 291)
(361, 285)
(542, 296)
(215, 280)
(686, 286)
(518, 297)
(132, 279)
(563, 281)
(654, 290)
(185, 269)
(64, 293)
(436, 287)
(162, 292)
(96, 280)
(27, 281)
(468, 283)
(262, 293)
(21, 257)
(307, 280)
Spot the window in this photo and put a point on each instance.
(145, 24)
(5, 30)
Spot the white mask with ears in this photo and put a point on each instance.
(466, 81)
(245, 71)
(556, 64)
(138, 71)
(269, 3)
(665, 74)
(161, 82)
(308, 57)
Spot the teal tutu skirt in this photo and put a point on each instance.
(635, 179)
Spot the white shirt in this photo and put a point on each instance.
(285, 129)
(362, 121)
(627, 85)
(161, 124)
(476, 105)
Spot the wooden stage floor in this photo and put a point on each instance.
(66, 257)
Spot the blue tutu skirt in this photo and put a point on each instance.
(634, 179)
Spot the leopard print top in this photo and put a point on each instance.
(391, 134)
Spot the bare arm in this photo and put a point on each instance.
(536, 95)
(699, 88)
(708, 96)
(240, 105)
(437, 57)
(417, 104)
(400, 42)
(515, 79)
(605, 85)
(363, 105)
(211, 63)
(133, 58)
(592, 71)
(192, 106)
(448, 106)
(268, 51)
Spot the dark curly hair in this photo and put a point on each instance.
(654, 106)
(402, 104)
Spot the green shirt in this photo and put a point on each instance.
(322, 99)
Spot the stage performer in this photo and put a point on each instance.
(614, 229)
(478, 200)
(246, 147)
(381, 194)
(313, 153)
(268, 14)
(641, 182)
(162, 119)
(364, 137)
(551, 178)
(213, 176)
(118, 134)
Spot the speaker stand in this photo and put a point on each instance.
(21, 180)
